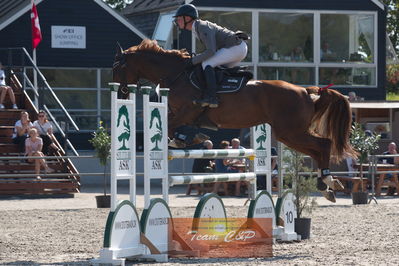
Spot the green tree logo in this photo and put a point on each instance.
(263, 136)
(155, 115)
(125, 135)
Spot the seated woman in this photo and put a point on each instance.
(4, 89)
(45, 129)
(393, 177)
(33, 147)
(21, 130)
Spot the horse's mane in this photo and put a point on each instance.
(152, 46)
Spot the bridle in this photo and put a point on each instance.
(120, 62)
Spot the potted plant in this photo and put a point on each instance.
(364, 142)
(101, 142)
(302, 186)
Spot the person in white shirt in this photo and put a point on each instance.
(21, 130)
(5, 89)
(45, 129)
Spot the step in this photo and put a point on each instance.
(10, 114)
(9, 149)
(6, 140)
(16, 168)
(38, 187)
(31, 177)
(6, 131)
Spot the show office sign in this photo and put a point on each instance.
(68, 37)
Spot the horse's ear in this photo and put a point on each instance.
(119, 50)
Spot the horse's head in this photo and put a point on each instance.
(120, 72)
(148, 61)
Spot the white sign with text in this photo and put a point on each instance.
(70, 37)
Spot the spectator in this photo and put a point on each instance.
(21, 130)
(235, 144)
(351, 163)
(236, 166)
(201, 166)
(5, 89)
(221, 167)
(392, 150)
(325, 53)
(45, 129)
(33, 147)
(352, 96)
(297, 54)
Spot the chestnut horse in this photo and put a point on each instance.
(312, 121)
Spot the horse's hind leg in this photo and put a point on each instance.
(319, 149)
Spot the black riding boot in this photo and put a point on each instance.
(210, 92)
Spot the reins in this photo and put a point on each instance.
(174, 80)
(325, 88)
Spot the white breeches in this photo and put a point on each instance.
(228, 57)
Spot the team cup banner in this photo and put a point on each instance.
(223, 238)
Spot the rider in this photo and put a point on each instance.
(223, 47)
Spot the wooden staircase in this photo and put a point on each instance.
(17, 176)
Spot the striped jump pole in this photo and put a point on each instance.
(212, 154)
(211, 178)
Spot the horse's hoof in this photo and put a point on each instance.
(329, 195)
(321, 185)
(334, 184)
(175, 143)
(338, 185)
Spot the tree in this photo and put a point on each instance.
(156, 116)
(393, 22)
(101, 142)
(364, 142)
(118, 4)
(262, 138)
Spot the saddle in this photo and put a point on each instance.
(227, 79)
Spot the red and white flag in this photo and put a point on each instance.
(36, 32)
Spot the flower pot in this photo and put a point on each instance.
(302, 227)
(103, 201)
(360, 197)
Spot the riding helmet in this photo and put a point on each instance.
(187, 10)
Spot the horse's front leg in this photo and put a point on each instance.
(180, 138)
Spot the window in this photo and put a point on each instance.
(285, 37)
(296, 75)
(347, 38)
(344, 53)
(347, 76)
(162, 32)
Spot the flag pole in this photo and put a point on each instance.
(36, 39)
(36, 102)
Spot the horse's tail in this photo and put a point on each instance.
(333, 120)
